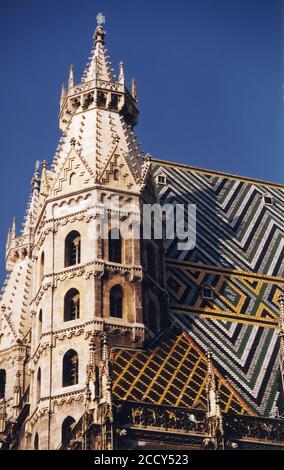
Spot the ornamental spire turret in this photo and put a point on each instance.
(71, 77)
(63, 93)
(99, 90)
(121, 73)
(134, 89)
(36, 179)
(13, 229)
(99, 65)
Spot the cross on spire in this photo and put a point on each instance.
(101, 19)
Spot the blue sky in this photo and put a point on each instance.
(209, 74)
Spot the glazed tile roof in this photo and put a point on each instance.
(239, 252)
(173, 372)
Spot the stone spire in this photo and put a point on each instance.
(99, 66)
(100, 113)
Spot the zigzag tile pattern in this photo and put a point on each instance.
(234, 226)
(240, 253)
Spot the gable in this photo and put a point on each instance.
(75, 175)
(117, 173)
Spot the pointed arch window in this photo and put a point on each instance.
(72, 305)
(114, 101)
(71, 177)
(38, 384)
(116, 301)
(66, 429)
(2, 383)
(114, 245)
(41, 266)
(72, 249)
(151, 261)
(36, 442)
(116, 175)
(70, 368)
(101, 99)
(39, 324)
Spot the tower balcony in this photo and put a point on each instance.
(110, 96)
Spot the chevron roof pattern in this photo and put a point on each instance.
(239, 253)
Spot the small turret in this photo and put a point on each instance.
(13, 229)
(121, 73)
(63, 93)
(71, 77)
(36, 179)
(134, 89)
(8, 243)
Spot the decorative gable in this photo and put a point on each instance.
(75, 175)
(117, 173)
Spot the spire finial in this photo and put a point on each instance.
(101, 19)
(100, 33)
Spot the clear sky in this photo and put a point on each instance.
(209, 74)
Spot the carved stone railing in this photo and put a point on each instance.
(169, 418)
(254, 428)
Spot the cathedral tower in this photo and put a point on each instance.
(81, 277)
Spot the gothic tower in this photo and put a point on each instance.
(81, 279)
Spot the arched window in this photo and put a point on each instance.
(116, 175)
(70, 368)
(114, 245)
(72, 305)
(66, 428)
(71, 178)
(39, 324)
(151, 261)
(41, 266)
(72, 249)
(2, 383)
(152, 317)
(38, 384)
(116, 301)
(36, 446)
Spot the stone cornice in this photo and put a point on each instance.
(94, 268)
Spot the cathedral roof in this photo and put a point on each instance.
(172, 372)
(239, 254)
